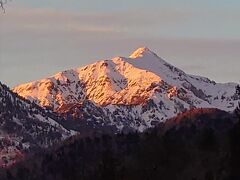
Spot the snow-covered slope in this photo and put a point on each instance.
(25, 127)
(135, 92)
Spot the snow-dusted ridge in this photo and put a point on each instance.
(135, 92)
(25, 127)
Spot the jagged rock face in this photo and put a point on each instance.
(105, 82)
(25, 127)
(135, 92)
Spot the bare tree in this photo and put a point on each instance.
(2, 3)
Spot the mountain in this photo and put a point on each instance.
(198, 119)
(132, 93)
(206, 146)
(25, 127)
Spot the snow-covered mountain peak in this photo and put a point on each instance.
(141, 52)
(143, 86)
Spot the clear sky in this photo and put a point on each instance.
(41, 37)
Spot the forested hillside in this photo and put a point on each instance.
(199, 144)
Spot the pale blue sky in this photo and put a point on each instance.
(41, 37)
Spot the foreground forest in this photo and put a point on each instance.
(201, 144)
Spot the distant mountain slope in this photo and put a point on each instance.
(202, 118)
(184, 151)
(134, 93)
(25, 127)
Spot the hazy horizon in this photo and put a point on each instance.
(41, 38)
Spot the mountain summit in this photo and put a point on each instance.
(134, 93)
(140, 52)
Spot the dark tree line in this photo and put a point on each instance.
(205, 148)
